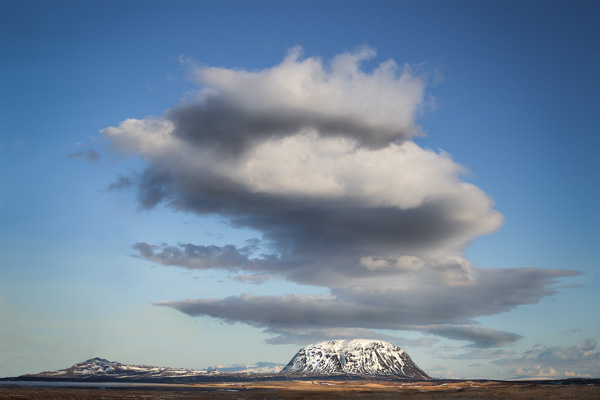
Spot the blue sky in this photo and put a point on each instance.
(508, 90)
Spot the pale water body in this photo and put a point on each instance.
(77, 384)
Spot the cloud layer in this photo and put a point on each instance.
(442, 310)
(319, 158)
(555, 362)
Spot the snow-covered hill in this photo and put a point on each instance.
(358, 356)
(99, 367)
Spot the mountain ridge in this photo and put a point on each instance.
(100, 367)
(358, 357)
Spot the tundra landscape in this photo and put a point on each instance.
(339, 369)
(299, 199)
(322, 389)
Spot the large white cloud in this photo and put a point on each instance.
(335, 99)
(319, 158)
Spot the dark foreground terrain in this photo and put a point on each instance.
(319, 389)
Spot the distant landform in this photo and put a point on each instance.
(356, 357)
(336, 358)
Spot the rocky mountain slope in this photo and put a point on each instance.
(358, 356)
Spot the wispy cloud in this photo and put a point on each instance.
(476, 354)
(571, 331)
(90, 155)
(318, 157)
(252, 278)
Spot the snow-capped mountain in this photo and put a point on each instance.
(258, 368)
(358, 356)
(354, 357)
(99, 367)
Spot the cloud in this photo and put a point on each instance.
(259, 367)
(477, 354)
(442, 371)
(308, 335)
(541, 372)
(123, 182)
(318, 157)
(445, 311)
(302, 336)
(194, 256)
(90, 155)
(555, 362)
(478, 335)
(236, 108)
(571, 331)
(256, 279)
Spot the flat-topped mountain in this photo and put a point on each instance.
(358, 356)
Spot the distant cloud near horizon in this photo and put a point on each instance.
(555, 362)
(319, 158)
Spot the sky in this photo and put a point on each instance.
(193, 184)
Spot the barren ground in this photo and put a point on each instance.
(319, 390)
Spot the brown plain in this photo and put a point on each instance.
(321, 389)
